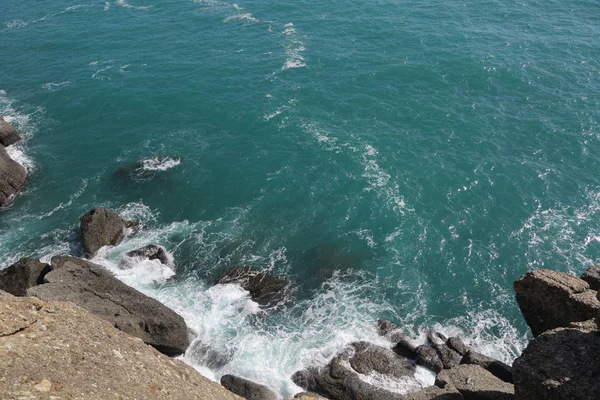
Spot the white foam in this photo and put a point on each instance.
(241, 17)
(160, 163)
(125, 4)
(16, 24)
(52, 86)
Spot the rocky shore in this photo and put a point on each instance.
(12, 174)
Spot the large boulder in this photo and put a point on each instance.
(550, 299)
(592, 277)
(429, 358)
(366, 358)
(101, 227)
(57, 350)
(266, 289)
(25, 273)
(248, 389)
(8, 134)
(207, 356)
(12, 177)
(98, 291)
(560, 364)
(475, 383)
(150, 252)
(495, 367)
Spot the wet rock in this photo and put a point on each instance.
(150, 252)
(405, 348)
(207, 356)
(12, 177)
(551, 299)
(448, 356)
(560, 364)
(92, 287)
(101, 227)
(8, 134)
(592, 277)
(457, 345)
(25, 273)
(366, 358)
(428, 357)
(392, 332)
(475, 383)
(248, 389)
(266, 289)
(495, 367)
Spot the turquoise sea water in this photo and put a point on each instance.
(396, 159)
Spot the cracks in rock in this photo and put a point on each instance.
(19, 330)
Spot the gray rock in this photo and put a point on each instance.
(3, 293)
(405, 348)
(266, 289)
(22, 275)
(248, 389)
(448, 392)
(392, 332)
(449, 357)
(475, 383)
(457, 345)
(12, 177)
(560, 364)
(592, 277)
(551, 299)
(92, 287)
(495, 367)
(429, 358)
(101, 227)
(308, 395)
(207, 356)
(366, 358)
(8, 134)
(150, 252)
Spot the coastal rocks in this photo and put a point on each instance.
(95, 289)
(150, 252)
(59, 350)
(248, 389)
(429, 358)
(12, 177)
(8, 134)
(560, 364)
(101, 227)
(22, 275)
(495, 367)
(592, 277)
(266, 289)
(475, 383)
(366, 358)
(550, 299)
(205, 355)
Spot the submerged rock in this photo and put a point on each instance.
(592, 277)
(207, 356)
(8, 134)
(12, 177)
(475, 383)
(22, 275)
(94, 288)
(150, 252)
(101, 227)
(266, 289)
(248, 389)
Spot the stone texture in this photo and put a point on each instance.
(150, 252)
(560, 364)
(101, 227)
(22, 275)
(448, 392)
(475, 383)
(8, 134)
(308, 396)
(248, 389)
(266, 289)
(57, 350)
(592, 277)
(366, 358)
(429, 358)
(447, 355)
(457, 345)
(495, 367)
(95, 289)
(12, 177)
(551, 299)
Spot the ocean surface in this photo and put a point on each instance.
(398, 159)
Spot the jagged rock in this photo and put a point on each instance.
(449, 357)
(25, 273)
(57, 350)
(12, 177)
(551, 299)
(429, 358)
(366, 358)
(248, 389)
(95, 289)
(392, 332)
(266, 289)
(101, 227)
(8, 134)
(150, 252)
(495, 367)
(592, 277)
(475, 383)
(457, 345)
(207, 356)
(560, 364)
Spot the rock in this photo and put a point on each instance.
(592, 277)
(448, 392)
(449, 357)
(150, 252)
(366, 358)
(266, 289)
(405, 348)
(57, 350)
(248, 389)
(457, 345)
(207, 356)
(12, 177)
(551, 299)
(495, 367)
(101, 227)
(475, 383)
(560, 364)
(392, 332)
(25, 273)
(429, 358)
(95, 289)
(8, 134)
(3, 293)
(308, 396)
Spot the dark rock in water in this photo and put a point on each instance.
(429, 358)
(366, 358)
(308, 396)
(405, 348)
(475, 383)
(266, 289)
(449, 357)
(592, 277)
(92, 287)
(559, 364)
(22, 275)
(457, 345)
(101, 227)
(248, 389)
(12, 177)
(392, 332)
(8, 134)
(495, 367)
(551, 299)
(207, 356)
(385, 327)
(150, 252)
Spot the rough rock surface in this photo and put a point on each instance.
(366, 358)
(592, 277)
(457, 345)
(101, 227)
(12, 177)
(447, 355)
(308, 396)
(150, 252)
(475, 383)
(266, 289)
(448, 392)
(551, 299)
(3, 293)
(207, 356)
(8, 134)
(57, 350)
(403, 345)
(95, 289)
(248, 389)
(560, 364)
(495, 367)
(25, 273)
(429, 358)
